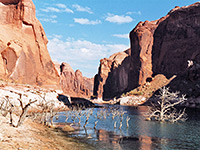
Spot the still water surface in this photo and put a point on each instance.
(141, 134)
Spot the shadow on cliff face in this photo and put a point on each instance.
(120, 79)
(176, 50)
(187, 83)
(163, 46)
(96, 85)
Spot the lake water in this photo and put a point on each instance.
(140, 135)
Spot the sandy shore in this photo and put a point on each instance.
(34, 136)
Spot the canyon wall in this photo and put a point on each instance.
(164, 46)
(176, 49)
(73, 83)
(113, 75)
(24, 57)
(176, 40)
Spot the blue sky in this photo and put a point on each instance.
(81, 32)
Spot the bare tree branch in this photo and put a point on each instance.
(165, 109)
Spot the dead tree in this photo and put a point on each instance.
(48, 109)
(7, 107)
(127, 120)
(87, 118)
(24, 109)
(164, 109)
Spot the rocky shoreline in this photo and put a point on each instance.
(34, 136)
(140, 100)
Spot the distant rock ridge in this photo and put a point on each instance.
(24, 57)
(73, 83)
(163, 46)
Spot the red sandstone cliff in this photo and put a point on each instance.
(113, 75)
(163, 46)
(176, 43)
(23, 52)
(73, 83)
(176, 40)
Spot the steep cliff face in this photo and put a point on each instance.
(23, 52)
(176, 40)
(176, 49)
(142, 40)
(113, 75)
(73, 83)
(164, 47)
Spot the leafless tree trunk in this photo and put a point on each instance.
(7, 107)
(164, 109)
(24, 110)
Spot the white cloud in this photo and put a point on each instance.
(126, 36)
(50, 9)
(51, 19)
(48, 20)
(82, 9)
(61, 5)
(134, 12)
(55, 36)
(80, 53)
(68, 10)
(118, 19)
(61, 8)
(86, 21)
(82, 49)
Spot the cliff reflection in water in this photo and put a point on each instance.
(123, 142)
(141, 134)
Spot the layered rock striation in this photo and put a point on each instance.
(24, 57)
(164, 46)
(73, 83)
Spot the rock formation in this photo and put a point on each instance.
(73, 83)
(176, 49)
(142, 40)
(163, 46)
(113, 75)
(176, 40)
(23, 52)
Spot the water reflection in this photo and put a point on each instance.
(108, 137)
(141, 134)
(146, 143)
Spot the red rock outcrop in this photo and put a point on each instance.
(142, 40)
(113, 75)
(24, 57)
(163, 46)
(176, 40)
(176, 49)
(73, 83)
